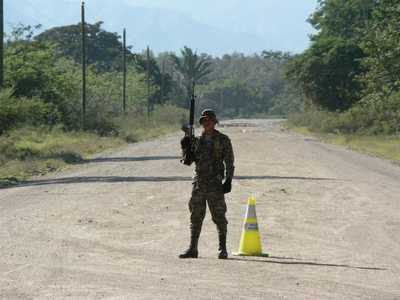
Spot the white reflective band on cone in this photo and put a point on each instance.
(251, 227)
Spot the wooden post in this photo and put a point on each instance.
(148, 82)
(83, 29)
(124, 73)
(162, 80)
(1, 43)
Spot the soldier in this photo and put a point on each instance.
(213, 155)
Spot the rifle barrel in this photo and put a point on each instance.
(192, 110)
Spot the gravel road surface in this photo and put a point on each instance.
(113, 226)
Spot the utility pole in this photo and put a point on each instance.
(83, 29)
(1, 43)
(148, 81)
(162, 80)
(124, 73)
(221, 100)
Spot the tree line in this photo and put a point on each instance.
(350, 75)
(42, 73)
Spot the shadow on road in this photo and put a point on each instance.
(114, 179)
(283, 177)
(280, 260)
(127, 159)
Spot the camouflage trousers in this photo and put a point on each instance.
(198, 205)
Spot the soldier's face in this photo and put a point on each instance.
(208, 125)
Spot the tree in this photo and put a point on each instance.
(161, 80)
(342, 18)
(241, 85)
(328, 73)
(103, 47)
(192, 67)
(381, 44)
(277, 56)
(34, 70)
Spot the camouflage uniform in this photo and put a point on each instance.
(214, 161)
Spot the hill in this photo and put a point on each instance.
(213, 27)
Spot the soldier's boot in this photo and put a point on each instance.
(192, 252)
(223, 253)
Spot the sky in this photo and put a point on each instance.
(212, 26)
(274, 19)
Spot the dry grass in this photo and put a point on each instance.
(387, 147)
(32, 151)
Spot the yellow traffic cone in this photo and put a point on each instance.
(250, 242)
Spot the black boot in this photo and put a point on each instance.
(192, 252)
(223, 253)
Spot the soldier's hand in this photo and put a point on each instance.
(186, 142)
(227, 186)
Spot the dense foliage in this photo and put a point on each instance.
(192, 67)
(352, 67)
(43, 80)
(38, 72)
(103, 47)
(244, 86)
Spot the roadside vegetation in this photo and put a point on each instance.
(40, 104)
(383, 146)
(36, 150)
(346, 84)
(350, 76)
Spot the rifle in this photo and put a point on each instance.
(187, 152)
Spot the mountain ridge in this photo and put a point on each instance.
(161, 27)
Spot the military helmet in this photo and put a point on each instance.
(208, 114)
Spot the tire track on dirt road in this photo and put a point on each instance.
(112, 226)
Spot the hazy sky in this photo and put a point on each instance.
(283, 22)
(214, 26)
(255, 16)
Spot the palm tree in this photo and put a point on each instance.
(191, 66)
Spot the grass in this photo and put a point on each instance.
(387, 147)
(29, 151)
(138, 127)
(33, 151)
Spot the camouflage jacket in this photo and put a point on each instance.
(214, 159)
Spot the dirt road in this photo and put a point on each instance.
(112, 227)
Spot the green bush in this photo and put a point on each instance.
(17, 111)
(35, 150)
(28, 151)
(169, 114)
(373, 115)
(136, 126)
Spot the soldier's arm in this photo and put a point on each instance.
(189, 144)
(229, 159)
